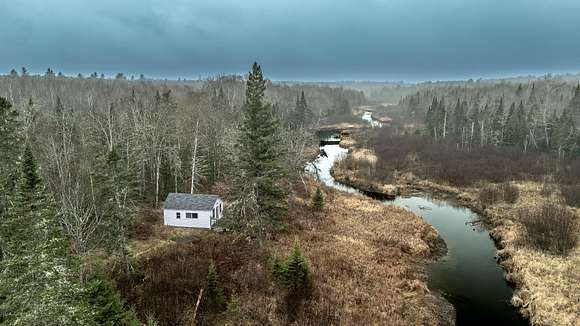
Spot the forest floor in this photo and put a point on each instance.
(547, 286)
(367, 264)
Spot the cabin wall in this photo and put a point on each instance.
(202, 220)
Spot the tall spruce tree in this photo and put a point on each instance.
(9, 147)
(498, 124)
(301, 113)
(261, 158)
(565, 136)
(516, 128)
(38, 285)
(575, 106)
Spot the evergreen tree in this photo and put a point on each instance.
(565, 134)
(37, 282)
(459, 120)
(497, 124)
(532, 99)
(516, 128)
(114, 190)
(261, 158)
(107, 305)
(343, 105)
(519, 90)
(318, 200)
(430, 117)
(9, 146)
(301, 114)
(214, 293)
(575, 106)
(474, 128)
(294, 277)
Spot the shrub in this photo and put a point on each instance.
(214, 293)
(511, 192)
(318, 200)
(489, 195)
(107, 305)
(294, 277)
(233, 304)
(551, 227)
(571, 194)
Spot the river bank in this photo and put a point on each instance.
(547, 286)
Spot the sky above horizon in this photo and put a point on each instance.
(410, 40)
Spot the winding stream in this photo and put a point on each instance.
(468, 275)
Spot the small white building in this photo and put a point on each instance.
(192, 211)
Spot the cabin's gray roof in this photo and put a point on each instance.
(195, 202)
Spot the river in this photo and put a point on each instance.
(468, 275)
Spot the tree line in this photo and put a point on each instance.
(543, 115)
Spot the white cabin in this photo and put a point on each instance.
(192, 211)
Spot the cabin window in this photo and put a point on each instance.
(190, 215)
(177, 215)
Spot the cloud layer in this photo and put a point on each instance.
(307, 40)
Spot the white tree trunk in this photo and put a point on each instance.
(194, 157)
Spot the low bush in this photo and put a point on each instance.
(510, 192)
(551, 227)
(173, 276)
(294, 277)
(489, 195)
(571, 194)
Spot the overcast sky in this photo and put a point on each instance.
(293, 39)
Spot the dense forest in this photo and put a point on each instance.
(542, 115)
(81, 157)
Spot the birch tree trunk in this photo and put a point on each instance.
(194, 157)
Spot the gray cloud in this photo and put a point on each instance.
(316, 39)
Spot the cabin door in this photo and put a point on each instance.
(213, 216)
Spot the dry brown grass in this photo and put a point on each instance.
(548, 286)
(366, 260)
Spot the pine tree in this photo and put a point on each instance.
(459, 120)
(261, 157)
(294, 277)
(519, 90)
(214, 293)
(516, 128)
(301, 114)
(37, 281)
(474, 124)
(318, 200)
(575, 106)
(114, 190)
(107, 305)
(343, 106)
(565, 134)
(9, 146)
(498, 124)
(532, 99)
